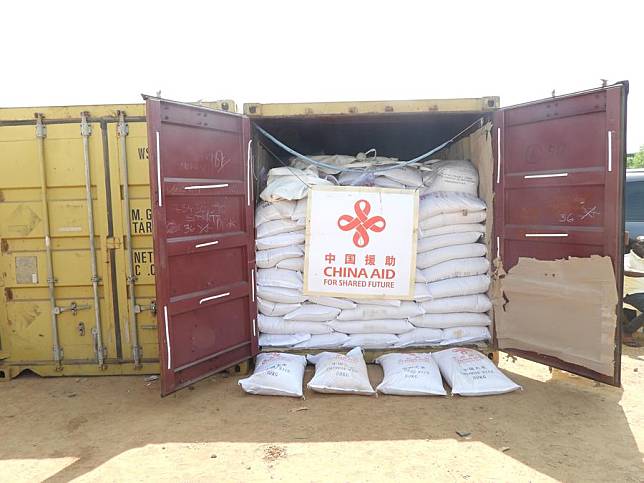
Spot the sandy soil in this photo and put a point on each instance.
(118, 428)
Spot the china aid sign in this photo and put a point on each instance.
(361, 242)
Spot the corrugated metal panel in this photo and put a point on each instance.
(479, 104)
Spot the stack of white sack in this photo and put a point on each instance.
(451, 284)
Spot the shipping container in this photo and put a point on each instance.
(48, 321)
(551, 172)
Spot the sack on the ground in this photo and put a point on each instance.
(470, 373)
(448, 229)
(276, 374)
(276, 277)
(439, 241)
(371, 312)
(340, 373)
(443, 321)
(296, 264)
(282, 340)
(273, 211)
(334, 302)
(323, 341)
(413, 374)
(460, 267)
(452, 287)
(382, 326)
(282, 240)
(444, 202)
(313, 313)
(371, 341)
(280, 295)
(267, 307)
(464, 335)
(276, 227)
(465, 303)
(452, 175)
(270, 258)
(440, 255)
(420, 337)
(279, 326)
(437, 221)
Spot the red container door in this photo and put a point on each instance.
(203, 209)
(559, 184)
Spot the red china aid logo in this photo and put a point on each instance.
(361, 223)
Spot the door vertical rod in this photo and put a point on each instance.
(123, 131)
(41, 134)
(86, 131)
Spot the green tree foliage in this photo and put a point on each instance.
(636, 160)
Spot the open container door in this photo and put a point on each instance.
(558, 194)
(202, 212)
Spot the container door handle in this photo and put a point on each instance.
(546, 235)
(207, 299)
(206, 244)
(205, 186)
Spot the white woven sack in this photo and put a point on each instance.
(411, 374)
(370, 312)
(440, 255)
(383, 182)
(273, 211)
(452, 175)
(464, 335)
(452, 219)
(460, 267)
(276, 277)
(267, 307)
(420, 337)
(470, 373)
(313, 313)
(406, 176)
(277, 227)
(282, 240)
(382, 302)
(276, 374)
(371, 341)
(296, 264)
(433, 242)
(466, 303)
(323, 341)
(282, 340)
(446, 202)
(334, 302)
(339, 373)
(279, 326)
(458, 319)
(452, 287)
(445, 230)
(384, 326)
(280, 295)
(290, 187)
(299, 213)
(270, 258)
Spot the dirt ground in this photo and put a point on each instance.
(559, 427)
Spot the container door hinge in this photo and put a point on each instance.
(41, 129)
(86, 128)
(113, 243)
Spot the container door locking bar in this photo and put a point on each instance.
(86, 132)
(41, 134)
(123, 131)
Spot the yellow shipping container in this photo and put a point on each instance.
(48, 321)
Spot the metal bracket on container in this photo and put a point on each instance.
(152, 308)
(41, 129)
(122, 128)
(73, 308)
(86, 128)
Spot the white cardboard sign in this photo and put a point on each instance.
(361, 242)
